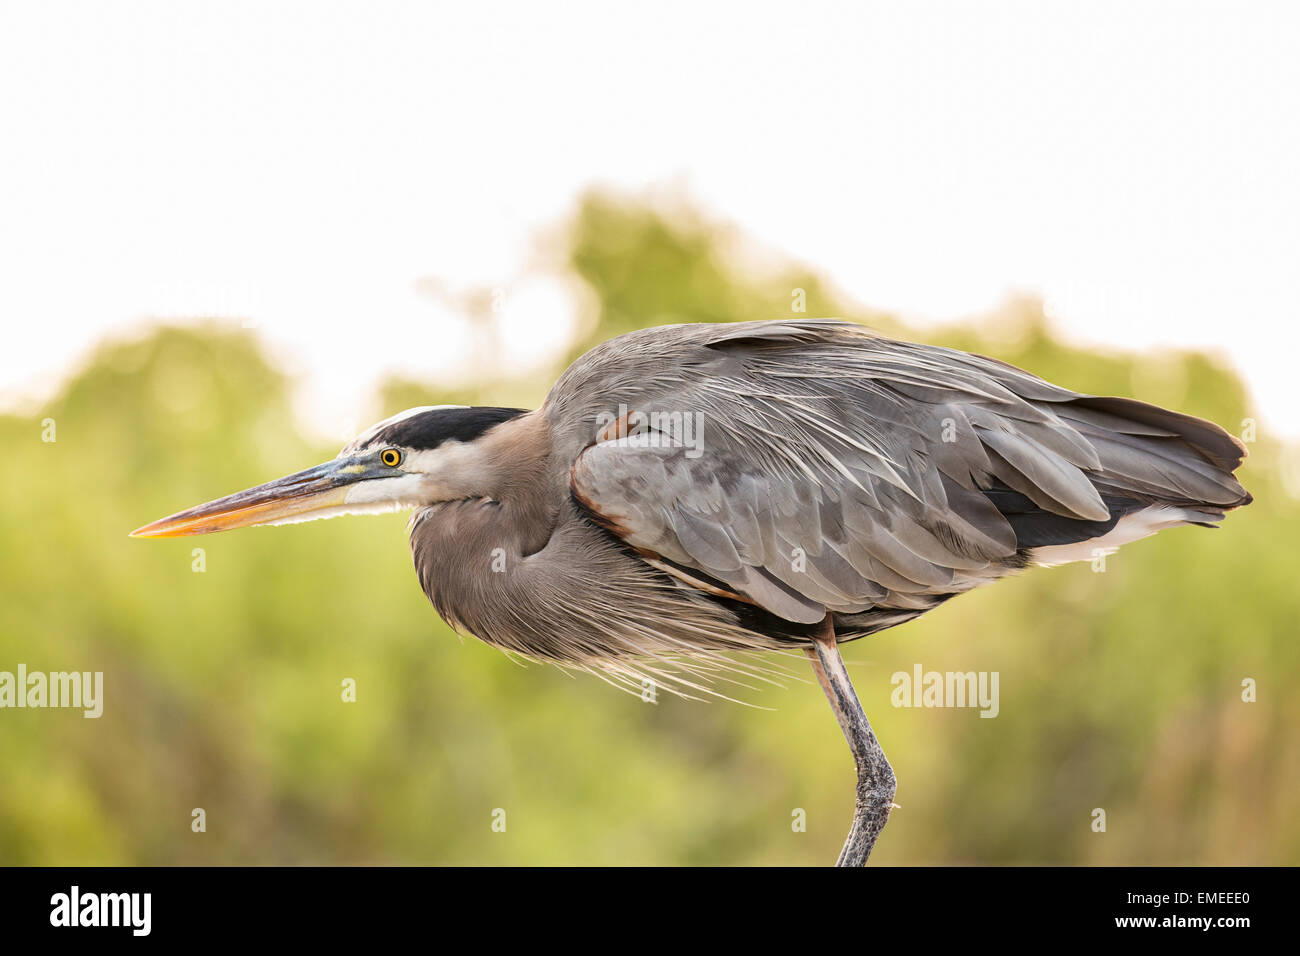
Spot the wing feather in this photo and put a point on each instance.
(840, 471)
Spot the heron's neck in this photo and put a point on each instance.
(468, 551)
(510, 470)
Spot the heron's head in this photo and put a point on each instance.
(420, 457)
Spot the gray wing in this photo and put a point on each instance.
(811, 466)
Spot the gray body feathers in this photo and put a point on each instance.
(770, 473)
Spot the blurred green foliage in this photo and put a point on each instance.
(1119, 690)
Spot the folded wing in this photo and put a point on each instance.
(809, 467)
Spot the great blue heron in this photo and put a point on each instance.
(693, 490)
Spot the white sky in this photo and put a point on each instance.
(1135, 163)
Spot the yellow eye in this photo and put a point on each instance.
(391, 457)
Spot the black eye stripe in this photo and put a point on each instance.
(429, 429)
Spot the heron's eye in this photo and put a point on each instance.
(391, 457)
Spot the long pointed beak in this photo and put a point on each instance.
(285, 499)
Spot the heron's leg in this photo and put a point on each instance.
(876, 783)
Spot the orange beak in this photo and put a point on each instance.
(315, 492)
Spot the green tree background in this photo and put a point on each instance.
(1120, 690)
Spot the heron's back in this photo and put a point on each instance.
(838, 471)
(709, 488)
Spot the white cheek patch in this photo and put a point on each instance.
(452, 470)
(378, 495)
